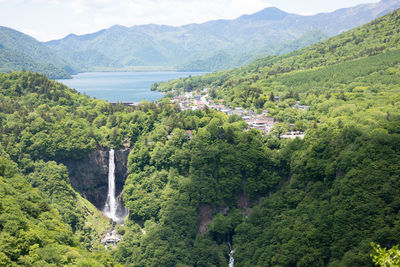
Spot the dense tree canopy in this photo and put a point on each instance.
(200, 179)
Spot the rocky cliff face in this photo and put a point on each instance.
(89, 176)
(121, 169)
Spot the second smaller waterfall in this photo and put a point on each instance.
(231, 259)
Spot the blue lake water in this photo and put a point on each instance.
(122, 86)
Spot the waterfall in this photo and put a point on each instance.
(114, 207)
(110, 208)
(231, 259)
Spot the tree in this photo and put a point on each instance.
(272, 97)
(385, 257)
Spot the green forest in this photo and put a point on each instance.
(12, 60)
(200, 181)
(20, 52)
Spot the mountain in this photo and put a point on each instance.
(361, 42)
(339, 185)
(225, 43)
(201, 186)
(19, 51)
(225, 60)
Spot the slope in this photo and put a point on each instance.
(200, 179)
(19, 51)
(42, 122)
(32, 230)
(266, 74)
(320, 201)
(266, 32)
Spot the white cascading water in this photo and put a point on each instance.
(110, 208)
(231, 259)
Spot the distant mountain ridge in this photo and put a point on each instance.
(269, 13)
(210, 46)
(19, 51)
(213, 45)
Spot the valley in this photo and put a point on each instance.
(210, 46)
(289, 160)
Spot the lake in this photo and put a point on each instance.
(122, 86)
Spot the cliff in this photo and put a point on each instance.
(89, 176)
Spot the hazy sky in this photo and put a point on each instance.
(53, 19)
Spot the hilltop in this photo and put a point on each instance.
(213, 45)
(19, 51)
(338, 188)
(292, 71)
(202, 183)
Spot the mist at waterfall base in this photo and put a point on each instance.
(113, 208)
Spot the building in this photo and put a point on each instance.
(300, 107)
(293, 135)
(238, 111)
(264, 125)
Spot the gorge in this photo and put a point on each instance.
(89, 175)
(203, 189)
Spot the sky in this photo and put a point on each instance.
(54, 19)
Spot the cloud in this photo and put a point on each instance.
(175, 12)
(53, 19)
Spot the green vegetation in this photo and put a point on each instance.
(12, 60)
(358, 63)
(213, 45)
(268, 74)
(172, 179)
(384, 257)
(42, 119)
(200, 180)
(340, 190)
(32, 230)
(223, 60)
(21, 52)
(41, 122)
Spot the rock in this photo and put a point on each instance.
(111, 239)
(89, 176)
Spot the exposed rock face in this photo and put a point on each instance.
(89, 176)
(111, 239)
(121, 169)
(244, 204)
(206, 215)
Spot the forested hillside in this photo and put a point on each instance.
(19, 51)
(33, 232)
(280, 74)
(226, 60)
(43, 220)
(213, 45)
(339, 191)
(201, 181)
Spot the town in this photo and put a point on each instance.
(263, 121)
